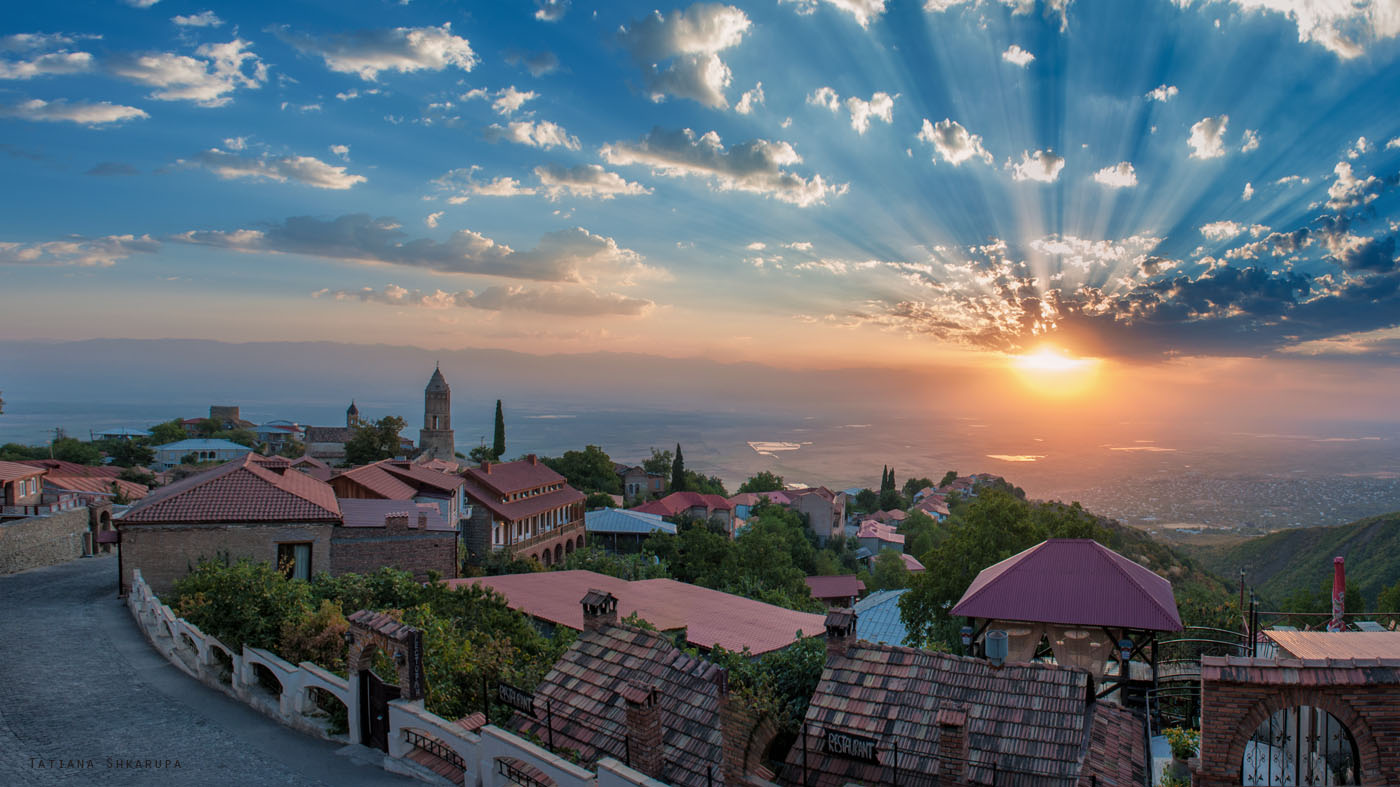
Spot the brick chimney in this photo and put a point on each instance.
(534, 460)
(733, 731)
(840, 632)
(644, 748)
(486, 467)
(397, 521)
(952, 744)
(599, 610)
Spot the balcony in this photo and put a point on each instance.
(572, 528)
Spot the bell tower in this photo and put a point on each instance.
(435, 440)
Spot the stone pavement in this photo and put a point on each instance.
(85, 700)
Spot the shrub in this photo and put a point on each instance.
(243, 603)
(1184, 742)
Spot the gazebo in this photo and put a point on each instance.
(1089, 603)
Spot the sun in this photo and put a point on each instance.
(1049, 371)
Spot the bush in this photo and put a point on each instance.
(316, 636)
(243, 603)
(1184, 742)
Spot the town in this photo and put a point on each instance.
(575, 620)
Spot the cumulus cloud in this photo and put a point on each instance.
(551, 10)
(432, 219)
(1225, 230)
(402, 49)
(462, 184)
(306, 170)
(88, 113)
(1349, 191)
(1041, 165)
(566, 301)
(206, 80)
(571, 255)
(1250, 141)
(1248, 193)
(343, 151)
(47, 64)
(1017, 56)
(1161, 93)
(879, 107)
(141, 3)
(1118, 176)
(538, 63)
(1058, 8)
(952, 142)
(201, 19)
(1207, 138)
(825, 97)
(585, 180)
(1394, 143)
(757, 166)
(1344, 28)
(536, 134)
(691, 41)
(1359, 148)
(862, 10)
(87, 252)
(750, 99)
(508, 100)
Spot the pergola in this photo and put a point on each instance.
(1090, 603)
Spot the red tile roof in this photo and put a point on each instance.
(911, 563)
(12, 471)
(1072, 581)
(1021, 717)
(421, 476)
(95, 485)
(238, 491)
(507, 477)
(586, 695)
(313, 467)
(379, 481)
(842, 586)
(872, 529)
(678, 503)
(519, 509)
(61, 467)
(710, 617)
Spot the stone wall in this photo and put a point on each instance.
(43, 540)
(360, 550)
(164, 553)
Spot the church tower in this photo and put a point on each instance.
(435, 439)
(352, 415)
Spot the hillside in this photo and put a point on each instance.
(1203, 595)
(1288, 560)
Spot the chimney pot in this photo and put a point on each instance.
(644, 733)
(840, 632)
(486, 467)
(952, 744)
(599, 610)
(534, 460)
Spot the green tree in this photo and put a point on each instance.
(921, 533)
(498, 444)
(948, 478)
(912, 486)
(129, 453)
(240, 603)
(138, 476)
(892, 500)
(764, 481)
(678, 471)
(1388, 603)
(168, 432)
(867, 500)
(14, 452)
(207, 427)
(889, 573)
(70, 449)
(292, 449)
(241, 436)
(599, 500)
(375, 440)
(705, 485)
(629, 567)
(589, 470)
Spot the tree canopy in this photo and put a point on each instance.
(589, 470)
(678, 471)
(498, 442)
(375, 441)
(762, 481)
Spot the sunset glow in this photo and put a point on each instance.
(1049, 371)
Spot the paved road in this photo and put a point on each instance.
(80, 686)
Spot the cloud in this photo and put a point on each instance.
(1349, 191)
(86, 252)
(1017, 7)
(541, 134)
(1360, 148)
(343, 151)
(757, 166)
(509, 99)
(463, 185)
(880, 106)
(862, 10)
(565, 301)
(112, 169)
(141, 3)
(1118, 176)
(1250, 141)
(1041, 165)
(1344, 28)
(48, 64)
(756, 246)
(1394, 143)
(60, 110)
(1161, 93)
(825, 97)
(551, 10)
(691, 41)
(201, 19)
(402, 49)
(1017, 56)
(1224, 230)
(501, 187)
(1248, 193)
(953, 142)
(1207, 138)
(750, 99)
(585, 180)
(306, 170)
(570, 255)
(206, 80)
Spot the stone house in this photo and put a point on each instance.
(694, 505)
(637, 482)
(21, 485)
(397, 479)
(523, 508)
(413, 537)
(825, 510)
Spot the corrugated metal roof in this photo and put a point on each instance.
(1072, 581)
(1338, 644)
(202, 444)
(840, 586)
(10, 471)
(877, 618)
(618, 520)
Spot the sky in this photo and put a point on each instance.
(1193, 190)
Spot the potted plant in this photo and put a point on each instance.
(1184, 743)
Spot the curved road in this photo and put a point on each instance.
(84, 699)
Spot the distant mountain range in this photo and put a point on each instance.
(1289, 560)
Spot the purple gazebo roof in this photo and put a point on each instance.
(1072, 581)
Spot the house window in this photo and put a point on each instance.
(294, 560)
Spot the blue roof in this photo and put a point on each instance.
(202, 444)
(617, 520)
(125, 431)
(877, 618)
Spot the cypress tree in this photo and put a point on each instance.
(498, 446)
(678, 471)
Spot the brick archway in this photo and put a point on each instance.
(370, 632)
(1284, 698)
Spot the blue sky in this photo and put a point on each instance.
(807, 178)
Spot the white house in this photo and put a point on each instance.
(171, 454)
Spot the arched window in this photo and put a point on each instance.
(1301, 745)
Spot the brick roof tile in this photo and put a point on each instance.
(238, 491)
